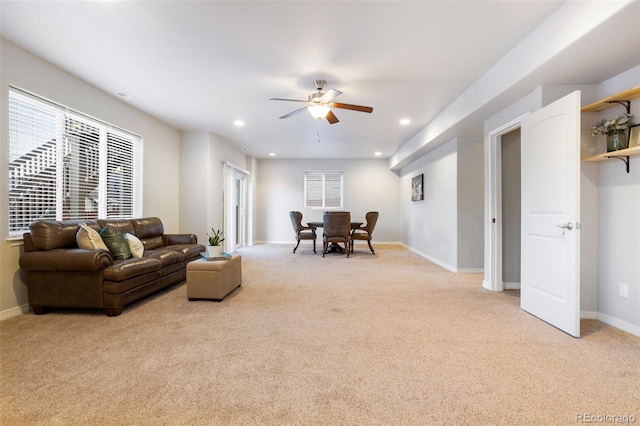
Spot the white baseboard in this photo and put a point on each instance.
(14, 312)
(443, 264)
(429, 258)
(470, 270)
(510, 286)
(588, 315)
(622, 325)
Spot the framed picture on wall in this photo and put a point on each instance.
(417, 193)
(634, 136)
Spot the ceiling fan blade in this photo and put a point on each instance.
(290, 100)
(352, 107)
(331, 118)
(330, 95)
(294, 112)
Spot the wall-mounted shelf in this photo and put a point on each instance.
(623, 98)
(622, 154)
(605, 103)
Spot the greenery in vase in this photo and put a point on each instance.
(215, 238)
(613, 125)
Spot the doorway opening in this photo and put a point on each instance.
(505, 208)
(511, 209)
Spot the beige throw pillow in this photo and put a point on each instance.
(135, 245)
(88, 238)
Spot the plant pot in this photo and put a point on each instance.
(616, 141)
(213, 251)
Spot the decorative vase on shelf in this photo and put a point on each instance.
(616, 141)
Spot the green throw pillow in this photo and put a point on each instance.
(116, 242)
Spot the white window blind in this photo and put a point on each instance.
(323, 190)
(66, 166)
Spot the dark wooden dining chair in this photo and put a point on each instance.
(365, 232)
(302, 232)
(336, 228)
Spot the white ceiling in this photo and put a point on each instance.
(201, 65)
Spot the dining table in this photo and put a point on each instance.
(334, 247)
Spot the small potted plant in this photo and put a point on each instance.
(215, 240)
(614, 128)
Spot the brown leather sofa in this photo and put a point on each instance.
(59, 274)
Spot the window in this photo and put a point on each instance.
(323, 190)
(66, 166)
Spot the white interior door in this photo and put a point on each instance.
(550, 275)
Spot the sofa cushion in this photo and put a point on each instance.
(122, 225)
(135, 245)
(189, 251)
(89, 239)
(147, 227)
(167, 257)
(115, 241)
(51, 234)
(152, 243)
(142, 283)
(128, 268)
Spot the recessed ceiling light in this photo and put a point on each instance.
(272, 154)
(377, 153)
(405, 121)
(238, 123)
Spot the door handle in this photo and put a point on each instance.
(565, 227)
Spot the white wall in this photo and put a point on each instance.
(619, 241)
(618, 227)
(430, 226)
(161, 149)
(368, 186)
(202, 156)
(470, 205)
(195, 186)
(446, 227)
(589, 240)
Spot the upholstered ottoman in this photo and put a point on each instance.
(213, 279)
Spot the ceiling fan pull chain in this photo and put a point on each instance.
(318, 132)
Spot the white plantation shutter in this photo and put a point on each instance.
(323, 190)
(81, 170)
(124, 171)
(333, 190)
(66, 166)
(33, 134)
(313, 189)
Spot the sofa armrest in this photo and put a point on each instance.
(171, 239)
(76, 260)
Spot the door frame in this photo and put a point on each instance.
(232, 173)
(493, 204)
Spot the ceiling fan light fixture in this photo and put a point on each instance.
(319, 111)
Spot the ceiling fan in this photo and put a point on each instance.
(320, 104)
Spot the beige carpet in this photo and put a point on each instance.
(390, 339)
